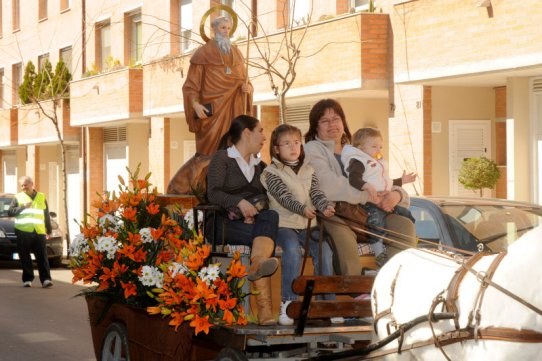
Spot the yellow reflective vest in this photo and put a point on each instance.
(33, 218)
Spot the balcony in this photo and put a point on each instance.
(36, 128)
(346, 53)
(8, 127)
(162, 89)
(116, 96)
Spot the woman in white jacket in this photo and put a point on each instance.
(324, 141)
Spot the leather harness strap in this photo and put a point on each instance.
(475, 312)
(451, 337)
(453, 287)
(387, 311)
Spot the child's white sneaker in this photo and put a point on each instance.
(284, 320)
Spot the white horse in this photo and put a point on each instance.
(416, 277)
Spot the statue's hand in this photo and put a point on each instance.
(246, 88)
(200, 111)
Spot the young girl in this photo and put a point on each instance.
(294, 194)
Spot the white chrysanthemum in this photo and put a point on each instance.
(145, 234)
(151, 276)
(107, 244)
(177, 268)
(79, 245)
(109, 222)
(209, 274)
(189, 218)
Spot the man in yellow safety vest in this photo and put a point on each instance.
(32, 227)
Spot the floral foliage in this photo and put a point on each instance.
(136, 254)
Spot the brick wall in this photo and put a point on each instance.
(374, 46)
(95, 164)
(342, 6)
(269, 116)
(447, 37)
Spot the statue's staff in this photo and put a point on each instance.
(234, 19)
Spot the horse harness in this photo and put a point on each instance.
(472, 331)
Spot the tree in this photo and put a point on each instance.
(53, 86)
(479, 173)
(27, 87)
(279, 62)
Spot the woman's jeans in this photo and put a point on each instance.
(239, 232)
(292, 241)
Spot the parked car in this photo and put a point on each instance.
(473, 224)
(8, 240)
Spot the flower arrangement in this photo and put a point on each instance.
(137, 254)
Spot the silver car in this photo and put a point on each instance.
(472, 224)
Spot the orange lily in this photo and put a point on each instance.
(130, 289)
(130, 213)
(201, 324)
(153, 209)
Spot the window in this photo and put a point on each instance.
(16, 80)
(186, 24)
(230, 3)
(41, 61)
(42, 11)
(360, 4)
(65, 5)
(299, 12)
(66, 56)
(134, 39)
(103, 45)
(16, 15)
(2, 88)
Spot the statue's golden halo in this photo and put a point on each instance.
(211, 10)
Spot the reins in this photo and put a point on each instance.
(471, 332)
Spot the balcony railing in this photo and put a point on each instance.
(109, 97)
(34, 127)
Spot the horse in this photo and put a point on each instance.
(489, 297)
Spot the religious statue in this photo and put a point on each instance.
(216, 90)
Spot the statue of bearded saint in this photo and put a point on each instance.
(216, 91)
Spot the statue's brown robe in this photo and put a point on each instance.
(207, 82)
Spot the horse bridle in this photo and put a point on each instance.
(472, 331)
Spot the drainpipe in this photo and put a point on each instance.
(84, 129)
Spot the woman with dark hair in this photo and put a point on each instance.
(232, 180)
(328, 133)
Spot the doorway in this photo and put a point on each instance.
(468, 139)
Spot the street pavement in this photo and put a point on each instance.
(38, 324)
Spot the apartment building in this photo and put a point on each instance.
(29, 145)
(443, 80)
(468, 83)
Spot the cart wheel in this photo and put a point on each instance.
(231, 354)
(115, 344)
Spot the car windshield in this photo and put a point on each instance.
(4, 206)
(496, 226)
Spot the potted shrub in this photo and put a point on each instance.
(479, 173)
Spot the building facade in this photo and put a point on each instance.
(443, 80)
